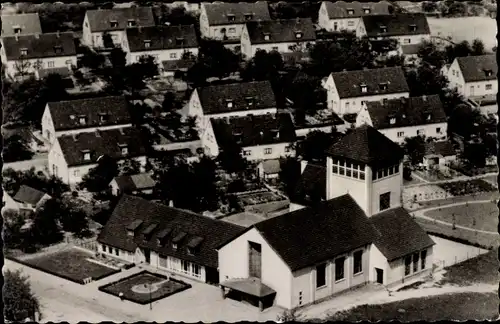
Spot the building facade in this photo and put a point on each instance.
(341, 15)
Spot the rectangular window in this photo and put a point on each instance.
(423, 257)
(246, 153)
(339, 268)
(348, 172)
(268, 150)
(117, 252)
(350, 23)
(358, 262)
(421, 132)
(401, 134)
(341, 171)
(321, 275)
(335, 169)
(407, 265)
(68, 62)
(275, 48)
(380, 174)
(415, 262)
(173, 55)
(104, 248)
(385, 201)
(76, 173)
(488, 87)
(362, 175)
(355, 174)
(232, 30)
(396, 168)
(50, 64)
(185, 266)
(196, 270)
(407, 41)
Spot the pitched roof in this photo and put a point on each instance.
(367, 145)
(271, 166)
(377, 81)
(29, 24)
(405, 112)
(396, 24)
(443, 148)
(215, 98)
(39, 45)
(100, 19)
(234, 13)
(254, 130)
(29, 195)
(106, 142)
(103, 111)
(339, 9)
(279, 31)
(161, 38)
(134, 182)
(170, 223)
(333, 227)
(311, 185)
(475, 68)
(399, 235)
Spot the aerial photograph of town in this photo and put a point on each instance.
(191, 161)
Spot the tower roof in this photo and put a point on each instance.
(367, 145)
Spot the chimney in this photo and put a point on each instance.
(424, 98)
(17, 38)
(75, 137)
(303, 165)
(170, 203)
(58, 34)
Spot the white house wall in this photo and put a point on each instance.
(28, 66)
(257, 153)
(174, 265)
(354, 105)
(122, 254)
(48, 130)
(160, 55)
(233, 264)
(57, 163)
(437, 130)
(391, 183)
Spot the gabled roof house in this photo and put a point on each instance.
(20, 24)
(341, 15)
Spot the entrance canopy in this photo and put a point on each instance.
(250, 286)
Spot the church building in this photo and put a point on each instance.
(359, 234)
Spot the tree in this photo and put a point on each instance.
(305, 92)
(284, 10)
(16, 149)
(148, 65)
(91, 59)
(45, 230)
(426, 80)
(313, 147)
(463, 120)
(217, 60)
(263, 66)
(478, 47)
(415, 149)
(205, 189)
(19, 301)
(231, 157)
(289, 174)
(75, 221)
(22, 68)
(129, 166)
(170, 102)
(178, 16)
(458, 50)
(13, 179)
(430, 54)
(117, 58)
(429, 6)
(107, 40)
(12, 228)
(98, 178)
(476, 154)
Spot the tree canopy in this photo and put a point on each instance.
(415, 149)
(15, 148)
(12, 181)
(313, 147)
(99, 177)
(20, 302)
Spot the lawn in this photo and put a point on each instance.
(458, 307)
(480, 216)
(467, 187)
(125, 286)
(480, 270)
(466, 28)
(443, 202)
(70, 264)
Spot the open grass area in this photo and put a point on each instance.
(443, 202)
(163, 289)
(70, 264)
(480, 216)
(458, 307)
(479, 270)
(460, 235)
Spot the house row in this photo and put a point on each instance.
(359, 234)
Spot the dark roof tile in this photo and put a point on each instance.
(131, 208)
(132, 182)
(29, 24)
(377, 81)
(443, 148)
(100, 19)
(280, 31)
(39, 46)
(396, 25)
(234, 13)
(478, 68)
(29, 195)
(339, 9)
(311, 187)
(161, 38)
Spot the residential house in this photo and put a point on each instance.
(261, 137)
(20, 24)
(229, 100)
(474, 76)
(73, 155)
(361, 234)
(341, 15)
(348, 90)
(407, 29)
(283, 36)
(84, 115)
(22, 55)
(176, 68)
(439, 153)
(141, 183)
(406, 117)
(113, 22)
(164, 43)
(225, 21)
(269, 169)
(29, 199)
(167, 238)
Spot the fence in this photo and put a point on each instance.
(89, 244)
(473, 253)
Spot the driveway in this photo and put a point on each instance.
(64, 300)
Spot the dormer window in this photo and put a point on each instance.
(24, 51)
(231, 17)
(429, 117)
(179, 41)
(82, 120)
(113, 23)
(124, 149)
(238, 136)
(147, 43)
(174, 246)
(103, 118)
(86, 155)
(488, 72)
(131, 23)
(364, 88)
(229, 103)
(193, 246)
(367, 10)
(383, 29)
(267, 36)
(58, 49)
(392, 121)
(383, 86)
(298, 34)
(17, 29)
(248, 16)
(250, 101)
(133, 227)
(350, 12)
(413, 27)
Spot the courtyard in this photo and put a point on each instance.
(479, 216)
(145, 287)
(72, 264)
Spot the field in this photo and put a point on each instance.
(466, 28)
(458, 306)
(70, 264)
(480, 216)
(480, 270)
(162, 290)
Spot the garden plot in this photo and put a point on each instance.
(423, 193)
(73, 264)
(467, 187)
(145, 287)
(466, 28)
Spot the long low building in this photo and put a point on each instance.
(175, 240)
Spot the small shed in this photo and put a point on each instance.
(29, 199)
(439, 153)
(132, 184)
(269, 169)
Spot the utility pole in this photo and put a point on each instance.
(150, 299)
